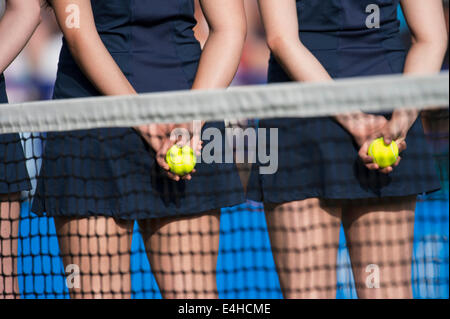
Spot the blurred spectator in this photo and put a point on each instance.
(446, 9)
(31, 76)
(255, 58)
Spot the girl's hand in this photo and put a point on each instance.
(369, 161)
(155, 134)
(161, 137)
(362, 126)
(394, 130)
(161, 156)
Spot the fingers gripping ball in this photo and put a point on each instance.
(384, 155)
(181, 160)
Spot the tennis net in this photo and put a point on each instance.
(281, 203)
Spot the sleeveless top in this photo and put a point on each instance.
(350, 37)
(152, 42)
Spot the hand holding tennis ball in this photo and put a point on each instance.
(382, 154)
(181, 160)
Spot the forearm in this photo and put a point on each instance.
(297, 61)
(23, 18)
(88, 49)
(423, 58)
(426, 23)
(99, 67)
(288, 53)
(103, 72)
(216, 69)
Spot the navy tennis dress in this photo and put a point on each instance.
(318, 158)
(112, 172)
(13, 172)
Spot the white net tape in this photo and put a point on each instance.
(370, 94)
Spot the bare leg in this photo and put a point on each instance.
(305, 241)
(9, 233)
(183, 254)
(380, 240)
(100, 248)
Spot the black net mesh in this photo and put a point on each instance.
(277, 207)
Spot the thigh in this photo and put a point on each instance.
(9, 229)
(379, 235)
(305, 240)
(9, 234)
(9, 214)
(183, 254)
(99, 247)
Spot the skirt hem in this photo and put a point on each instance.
(292, 197)
(42, 212)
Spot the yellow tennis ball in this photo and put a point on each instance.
(384, 155)
(181, 160)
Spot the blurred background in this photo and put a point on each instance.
(31, 78)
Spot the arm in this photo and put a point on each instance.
(22, 16)
(426, 22)
(96, 62)
(281, 24)
(429, 43)
(223, 48)
(89, 51)
(219, 60)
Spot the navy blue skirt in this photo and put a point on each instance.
(13, 172)
(113, 172)
(318, 158)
